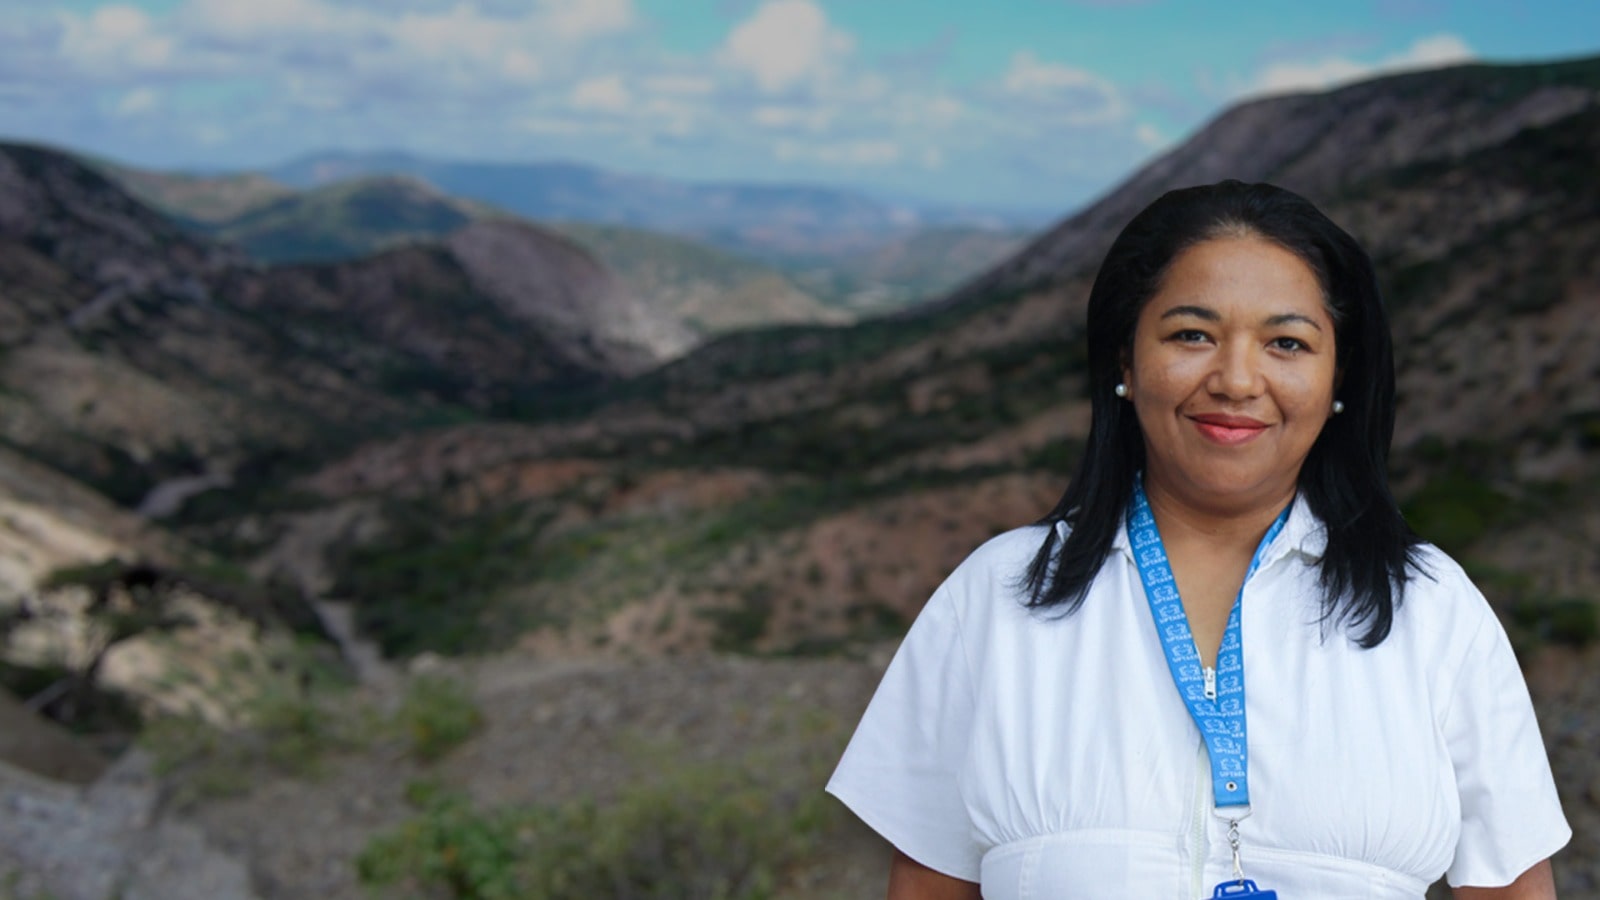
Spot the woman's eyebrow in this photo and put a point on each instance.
(1199, 312)
(1288, 318)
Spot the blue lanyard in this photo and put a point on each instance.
(1215, 700)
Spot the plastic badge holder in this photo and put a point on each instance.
(1244, 888)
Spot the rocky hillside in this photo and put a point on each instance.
(710, 291)
(200, 200)
(136, 352)
(704, 290)
(346, 220)
(910, 267)
(880, 266)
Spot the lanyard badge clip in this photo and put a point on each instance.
(1240, 886)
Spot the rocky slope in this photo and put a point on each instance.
(137, 353)
(687, 279)
(343, 221)
(706, 291)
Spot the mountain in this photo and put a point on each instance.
(903, 269)
(708, 290)
(1318, 145)
(572, 192)
(344, 220)
(197, 199)
(705, 290)
(136, 352)
(145, 372)
(770, 222)
(731, 257)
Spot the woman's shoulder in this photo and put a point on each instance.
(994, 574)
(1007, 553)
(1440, 601)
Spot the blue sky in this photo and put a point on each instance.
(1013, 103)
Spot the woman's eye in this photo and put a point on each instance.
(1189, 336)
(1289, 344)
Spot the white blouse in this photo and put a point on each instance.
(1050, 756)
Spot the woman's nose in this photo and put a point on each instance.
(1238, 374)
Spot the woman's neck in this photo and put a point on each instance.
(1234, 524)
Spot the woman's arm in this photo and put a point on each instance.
(1535, 884)
(911, 880)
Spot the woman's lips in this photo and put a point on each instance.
(1228, 430)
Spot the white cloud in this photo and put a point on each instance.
(246, 20)
(681, 85)
(1424, 53)
(785, 43)
(578, 19)
(548, 125)
(848, 153)
(519, 65)
(605, 94)
(1068, 94)
(943, 110)
(135, 102)
(114, 40)
(458, 32)
(785, 93)
(1150, 136)
(811, 117)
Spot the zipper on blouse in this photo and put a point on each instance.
(1197, 827)
(1211, 683)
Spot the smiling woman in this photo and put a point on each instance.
(1069, 717)
(1232, 372)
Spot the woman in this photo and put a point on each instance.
(1068, 716)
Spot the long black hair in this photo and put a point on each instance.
(1345, 476)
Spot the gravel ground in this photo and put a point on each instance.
(559, 730)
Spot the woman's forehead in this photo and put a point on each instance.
(1239, 277)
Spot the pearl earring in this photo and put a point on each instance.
(1338, 407)
(1121, 390)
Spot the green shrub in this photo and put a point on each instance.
(1559, 620)
(705, 831)
(291, 722)
(1455, 509)
(436, 715)
(428, 583)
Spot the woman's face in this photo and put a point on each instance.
(1232, 374)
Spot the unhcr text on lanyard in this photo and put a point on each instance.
(1215, 698)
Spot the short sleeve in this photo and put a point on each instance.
(1510, 815)
(900, 771)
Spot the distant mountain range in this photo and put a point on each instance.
(761, 214)
(705, 267)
